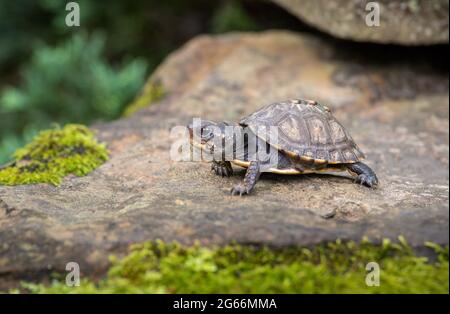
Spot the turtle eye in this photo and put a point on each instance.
(207, 133)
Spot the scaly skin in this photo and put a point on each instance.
(365, 175)
(222, 168)
(251, 177)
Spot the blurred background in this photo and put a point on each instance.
(51, 73)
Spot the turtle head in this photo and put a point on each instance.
(208, 136)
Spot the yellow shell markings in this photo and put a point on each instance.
(289, 171)
(310, 129)
(349, 153)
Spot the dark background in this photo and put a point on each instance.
(51, 73)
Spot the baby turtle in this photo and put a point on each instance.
(299, 136)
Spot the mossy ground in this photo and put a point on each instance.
(53, 154)
(157, 267)
(152, 91)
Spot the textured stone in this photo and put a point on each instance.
(140, 194)
(406, 22)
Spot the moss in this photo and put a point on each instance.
(232, 16)
(54, 154)
(157, 267)
(152, 92)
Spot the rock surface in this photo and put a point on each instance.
(396, 112)
(406, 22)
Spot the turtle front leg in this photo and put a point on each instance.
(365, 175)
(222, 168)
(251, 177)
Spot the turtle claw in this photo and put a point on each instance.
(364, 175)
(369, 181)
(239, 190)
(221, 170)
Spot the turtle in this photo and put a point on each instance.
(309, 139)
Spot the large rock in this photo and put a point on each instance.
(406, 22)
(397, 113)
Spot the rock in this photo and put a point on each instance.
(405, 22)
(396, 112)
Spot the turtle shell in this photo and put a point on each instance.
(307, 131)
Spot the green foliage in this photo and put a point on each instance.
(137, 28)
(152, 92)
(67, 76)
(232, 17)
(21, 23)
(69, 83)
(53, 154)
(157, 267)
(24, 23)
(74, 81)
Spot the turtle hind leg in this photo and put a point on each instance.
(222, 168)
(364, 175)
(251, 177)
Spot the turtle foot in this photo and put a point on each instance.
(222, 169)
(240, 190)
(367, 180)
(364, 175)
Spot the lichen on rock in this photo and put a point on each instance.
(152, 91)
(53, 154)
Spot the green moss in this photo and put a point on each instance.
(153, 91)
(54, 154)
(156, 267)
(232, 16)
